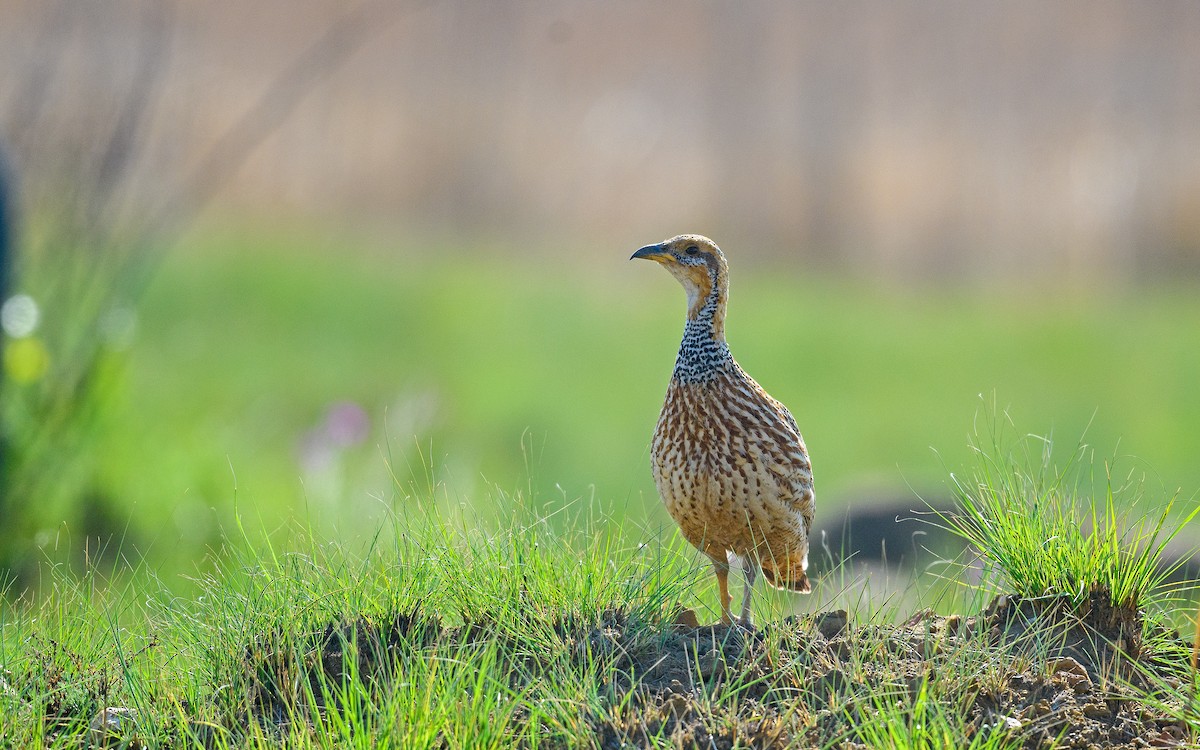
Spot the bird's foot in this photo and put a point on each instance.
(741, 623)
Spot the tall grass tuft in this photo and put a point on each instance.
(1041, 530)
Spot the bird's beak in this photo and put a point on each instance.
(651, 252)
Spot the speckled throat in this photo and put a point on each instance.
(703, 352)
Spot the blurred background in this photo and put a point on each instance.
(314, 262)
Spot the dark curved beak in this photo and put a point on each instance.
(650, 252)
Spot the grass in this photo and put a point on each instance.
(513, 628)
(925, 721)
(253, 642)
(1040, 532)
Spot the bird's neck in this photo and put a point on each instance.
(703, 352)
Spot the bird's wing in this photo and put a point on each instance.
(787, 415)
(795, 468)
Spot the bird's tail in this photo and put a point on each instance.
(788, 574)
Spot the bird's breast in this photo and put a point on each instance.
(727, 462)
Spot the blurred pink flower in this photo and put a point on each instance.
(344, 426)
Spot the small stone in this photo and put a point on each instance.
(114, 725)
(1072, 673)
(831, 624)
(677, 706)
(1097, 710)
(686, 618)
(919, 617)
(1169, 736)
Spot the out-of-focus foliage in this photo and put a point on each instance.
(102, 190)
(494, 164)
(76, 262)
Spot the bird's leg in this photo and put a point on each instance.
(721, 568)
(751, 569)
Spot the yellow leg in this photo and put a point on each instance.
(721, 568)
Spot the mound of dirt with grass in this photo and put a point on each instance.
(1045, 676)
(1038, 672)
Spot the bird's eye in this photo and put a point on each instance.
(692, 250)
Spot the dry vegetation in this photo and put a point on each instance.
(900, 139)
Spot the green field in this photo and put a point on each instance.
(543, 373)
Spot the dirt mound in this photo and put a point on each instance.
(1105, 639)
(1041, 671)
(286, 677)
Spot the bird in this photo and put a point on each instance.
(728, 460)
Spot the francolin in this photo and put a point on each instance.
(728, 460)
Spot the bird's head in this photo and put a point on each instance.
(697, 263)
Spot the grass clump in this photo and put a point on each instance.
(1041, 531)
